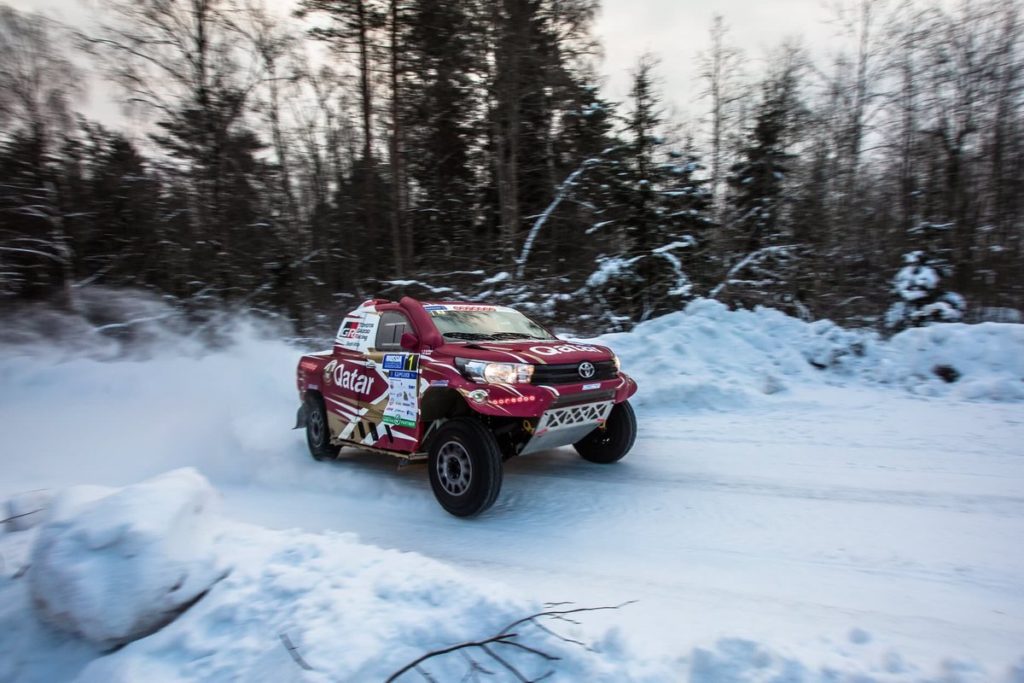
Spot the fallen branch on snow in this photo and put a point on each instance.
(508, 638)
(294, 651)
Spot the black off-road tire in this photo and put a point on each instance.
(465, 467)
(611, 443)
(318, 434)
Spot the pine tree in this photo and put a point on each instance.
(662, 214)
(920, 291)
(761, 258)
(440, 104)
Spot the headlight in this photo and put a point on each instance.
(495, 373)
(618, 365)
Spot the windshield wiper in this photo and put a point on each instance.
(516, 335)
(467, 336)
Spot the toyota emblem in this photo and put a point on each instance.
(587, 369)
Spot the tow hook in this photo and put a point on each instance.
(527, 426)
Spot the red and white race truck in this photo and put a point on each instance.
(463, 386)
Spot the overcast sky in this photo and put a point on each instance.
(676, 31)
(673, 30)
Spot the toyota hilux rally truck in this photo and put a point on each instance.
(463, 386)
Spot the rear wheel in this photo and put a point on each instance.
(611, 442)
(465, 467)
(318, 435)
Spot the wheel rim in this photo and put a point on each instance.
(316, 426)
(454, 470)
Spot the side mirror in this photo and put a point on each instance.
(409, 341)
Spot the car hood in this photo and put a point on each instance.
(555, 352)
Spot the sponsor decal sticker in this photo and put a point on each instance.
(400, 361)
(356, 332)
(352, 379)
(439, 383)
(329, 372)
(440, 309)
(563, 348)
(348, 329)
(403, 378)
(588, 387)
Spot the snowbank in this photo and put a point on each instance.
(111, 565)
(737, 660)
(119, 566)
(972, 362)
(708, 357)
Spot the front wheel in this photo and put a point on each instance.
(611, 442)
(465, 467)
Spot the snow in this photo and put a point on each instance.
(916, 279)
(804, 503)
(123, 565)
(988, 359)
(708, 357)
(610, 268)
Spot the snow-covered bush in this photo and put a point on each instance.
(112, 567)
(920, 297)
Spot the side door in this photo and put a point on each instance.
(393, 416)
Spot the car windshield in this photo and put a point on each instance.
(484, 323)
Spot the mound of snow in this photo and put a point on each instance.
(738, 660)
(112, 567)
(974, 362)
(350, 612)
(708, 357)
(112, 564)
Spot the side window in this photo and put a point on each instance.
(389, 334)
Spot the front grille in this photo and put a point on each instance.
(583, 397)
(569, 373)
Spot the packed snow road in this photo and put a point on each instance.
(868, 520)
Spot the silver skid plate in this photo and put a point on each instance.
(564, 426)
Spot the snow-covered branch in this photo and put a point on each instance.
(563, 191)
(752, 259)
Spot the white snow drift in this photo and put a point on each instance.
(113, 566)
(710, 357)
(119, 566)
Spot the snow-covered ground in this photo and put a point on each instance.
(775, 521)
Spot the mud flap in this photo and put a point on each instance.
(300, 417)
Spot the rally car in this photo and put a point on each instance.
(462, 386)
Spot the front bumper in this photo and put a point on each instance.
(531, 400)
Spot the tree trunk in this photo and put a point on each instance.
(397, 240)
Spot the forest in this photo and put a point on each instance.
(296, 163)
